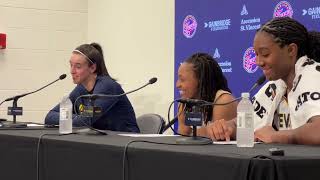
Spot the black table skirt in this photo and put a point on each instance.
(82, 156)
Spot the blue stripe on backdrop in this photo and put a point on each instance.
(225, 29)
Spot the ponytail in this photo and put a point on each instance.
(101, 67)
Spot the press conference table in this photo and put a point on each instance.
(83, 157)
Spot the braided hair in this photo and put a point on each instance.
(286, 30)
(210, 79)
(94, 54)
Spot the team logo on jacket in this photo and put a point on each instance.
(271, 91)
(189, 26)
(283, 9)
(81, 108)
(249, 60)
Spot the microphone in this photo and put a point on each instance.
(61, 77)
(199, 102)
(89, 111)
(195, 102)
(153, 80)
(17, 111)
(259, 82)
(96, 96)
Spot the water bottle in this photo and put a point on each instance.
(245, 123)
(65, 122)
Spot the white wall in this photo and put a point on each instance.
(40, 36)
(137, 37)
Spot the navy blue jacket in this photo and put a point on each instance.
(117, 112)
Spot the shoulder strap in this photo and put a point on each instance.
(219, 94)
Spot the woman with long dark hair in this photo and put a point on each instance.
(200, 77)
(90, 74)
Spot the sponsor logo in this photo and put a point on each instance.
(244, 11)
(218, 25)
(216, 53)
(313, 12)
(283, 9)
(189, 26)
(249, 60)
(249, 24)
(225, 65)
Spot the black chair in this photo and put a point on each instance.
(150, 123)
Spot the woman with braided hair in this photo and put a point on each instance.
(200, 77)
(289, 56)
(90, 74)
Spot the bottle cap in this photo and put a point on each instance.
(245, 95)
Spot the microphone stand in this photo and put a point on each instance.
(93, 97)
(18, 111)
(194, 139)
(93, 131)
(14, 111)
(170, 123)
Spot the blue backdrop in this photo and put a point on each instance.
(225, 29)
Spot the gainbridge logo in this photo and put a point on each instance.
(313, 12)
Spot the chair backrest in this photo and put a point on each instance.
(150, 124)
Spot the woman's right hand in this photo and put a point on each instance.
(221, 130)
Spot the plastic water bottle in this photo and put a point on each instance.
(65, 122)
(245, 123)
